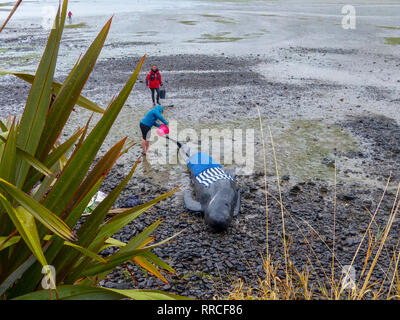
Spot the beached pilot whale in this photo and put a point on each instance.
(217, 193)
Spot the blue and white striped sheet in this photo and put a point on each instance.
(211, 175)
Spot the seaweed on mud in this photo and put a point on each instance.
(389, 27)
(392, 40)
(224, 21)
(76, 26)
(188, 22)
(145, 33)
(6, 4)
(211, 16)
(218, 37)
(325, 50)
(19, 61)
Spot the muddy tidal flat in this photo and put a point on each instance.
(328, 96)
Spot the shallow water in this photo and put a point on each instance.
(190, 26)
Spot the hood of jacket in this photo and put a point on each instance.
(159, 108)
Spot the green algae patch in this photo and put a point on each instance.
(218, 37)
(254, 34)
(305, 149)
(302, 146)
(21, 60)
(76, 26)
(223, 21)
(146, 33)
(392, 41)
(388, 27)
(211, 16)
(6, 4)
(233, 0)
(188, 22)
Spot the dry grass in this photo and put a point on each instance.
(292, 283)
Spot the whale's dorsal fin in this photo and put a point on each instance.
(190, 203)
(237, 206)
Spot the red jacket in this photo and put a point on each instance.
(153, 79)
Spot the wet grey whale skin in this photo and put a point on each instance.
(219, 202)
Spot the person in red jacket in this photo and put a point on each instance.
(153, 81)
